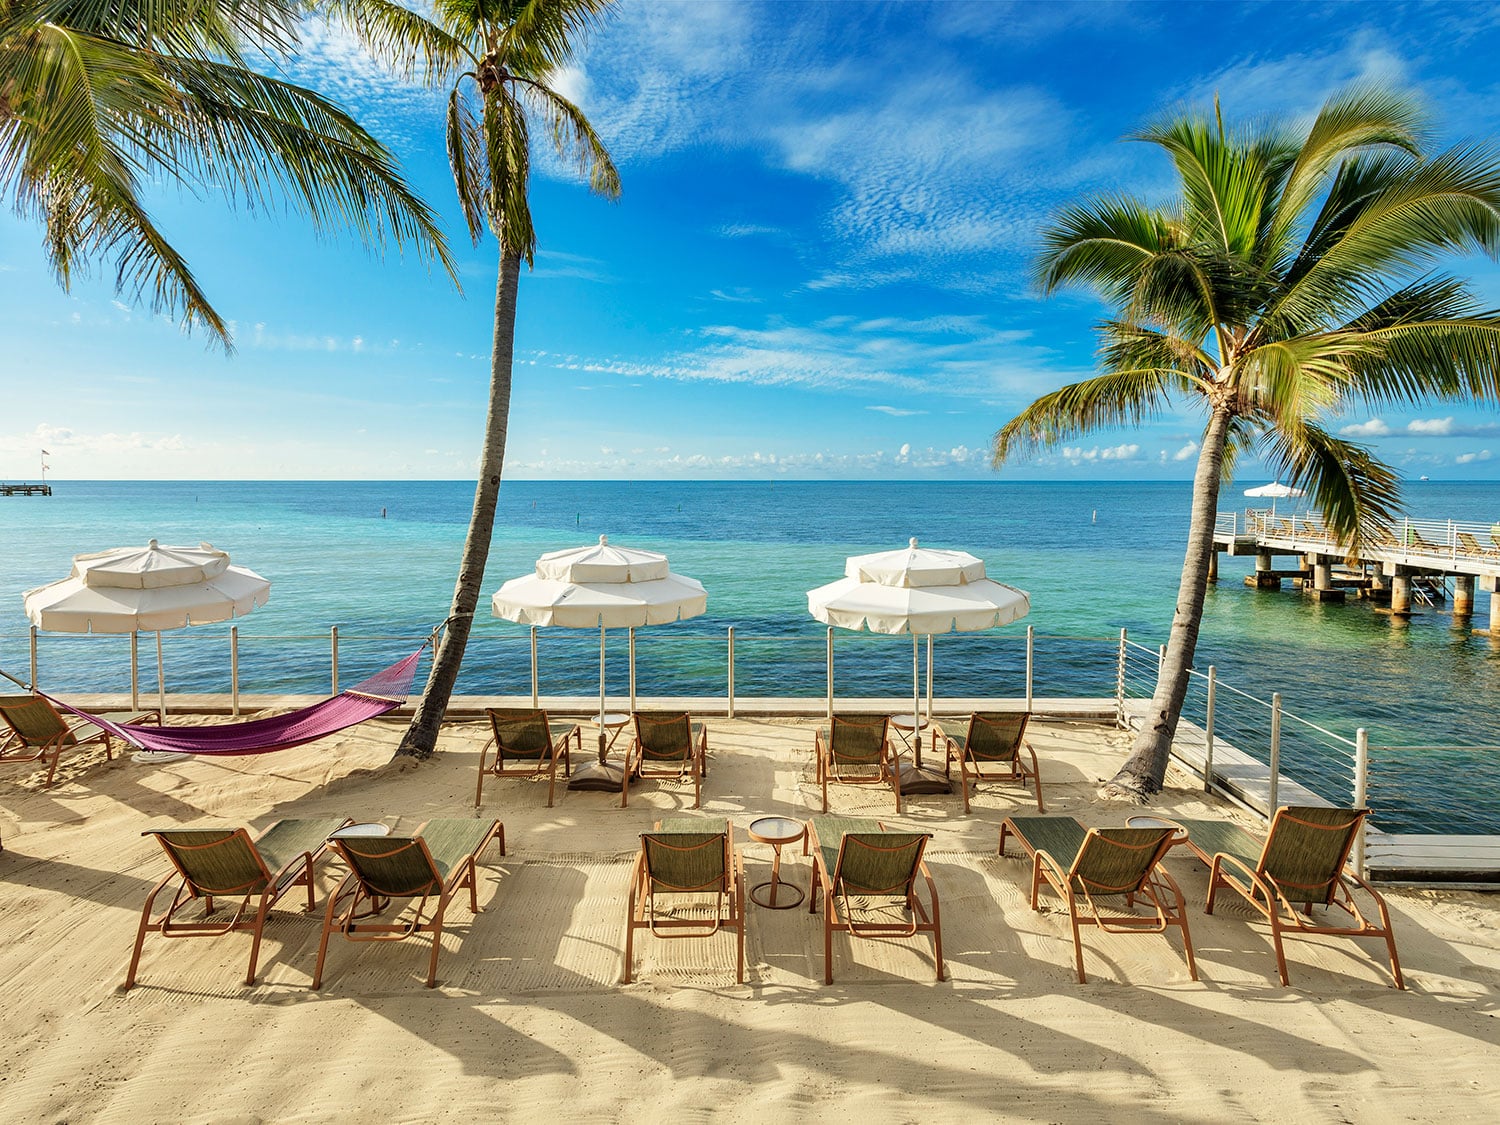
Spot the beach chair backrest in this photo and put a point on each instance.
(520, 732)
(214, 861)
(995, 736)
(879, 863)
(664, 736)
(858, 740)
(1307, 848)
(1117, 861)
(686, 861)
(1469, 543)
(34, 720)
(391, 866)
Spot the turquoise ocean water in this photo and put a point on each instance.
(1095, 557)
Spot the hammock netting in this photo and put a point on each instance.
(384, 691)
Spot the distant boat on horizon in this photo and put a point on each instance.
(1424, 478)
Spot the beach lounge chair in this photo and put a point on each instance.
(1471, 546)
(667, 744)
(994, 748)
(853, 750)
(35, 731)
(526, 744)
(869, 881)
(435, 862)
(210, 863)
(1299, 865)
(1084, 865)
(682, 862)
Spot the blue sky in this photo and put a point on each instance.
(818, 267)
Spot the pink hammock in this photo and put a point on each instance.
(382, 692)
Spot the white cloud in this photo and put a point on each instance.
(1187, 452)
(895, 411)
(1373, 428)
(1435, 427)
(1077, 455)
(1470, 458)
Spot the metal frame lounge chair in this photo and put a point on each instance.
(210, 863)
(1103, 863)
(38, 732)
(435, 862)
(995, 738)
(525, 735)
(855, 858)
(1301, 864)
(667, 744)
(854, 750)
(687, 856)
(1472, 546)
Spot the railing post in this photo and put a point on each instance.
(135, 671)
(1361, 793)
(730, 713)
(535, 694)
(1030, 665)
(1275, 751)
(334, 640)
(1161, 659)
(33, 660)
(1208, 731)
(1120, 684)
(830, 673)
(631, 639)
(234, 669)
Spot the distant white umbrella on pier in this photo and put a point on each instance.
(145, 590)
(603, 587)
(1274, 491)
(921, 591)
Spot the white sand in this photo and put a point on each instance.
(529, 1019)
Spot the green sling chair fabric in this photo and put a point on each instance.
(993, 736)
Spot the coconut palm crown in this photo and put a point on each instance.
(1295, 276)
(499, 61)
(102, 99)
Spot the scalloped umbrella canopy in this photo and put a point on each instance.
(146, 589)
(917, 590)
(600, 586)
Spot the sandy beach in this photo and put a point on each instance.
(529, 1018)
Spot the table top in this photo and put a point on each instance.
(1140, 820)
(905, 723)
(776, 829)
(371, 828)
(610, 719)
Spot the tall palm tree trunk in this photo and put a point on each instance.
(421, 736)
(1141, 775)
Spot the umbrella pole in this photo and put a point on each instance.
(161, 682)
(601, 695)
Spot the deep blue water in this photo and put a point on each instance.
(1095, 556)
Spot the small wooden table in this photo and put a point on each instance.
(778, 831)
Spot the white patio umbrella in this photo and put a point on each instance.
(917, 590)
(147, 589)
(603, 587)
(1274, 491)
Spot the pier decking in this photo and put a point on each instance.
(24, 489)
(1414, 562)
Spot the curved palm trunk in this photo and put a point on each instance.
(421, 736)
(1142, 774)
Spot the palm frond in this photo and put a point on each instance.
(1103, 245)
(1354, 490)
(413, 47)
(466, 157)
(1120, 398)
(572, 135)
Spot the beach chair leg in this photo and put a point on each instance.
(57, 754)
(1036, 779)
(828, 939)
(739, 911)
(140, 934)
(437, 943)
(333, 901)
(479, 788)
(1036, 880)
(1077, 942)
(937, 935)
(551, 780)
(1390, 944)
(1276, 942)
(260, 923)
(1214, 882)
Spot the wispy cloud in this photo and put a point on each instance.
(895, 411)
(1370, 429)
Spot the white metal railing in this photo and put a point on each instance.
(1449, 540)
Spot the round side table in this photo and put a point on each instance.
(778, 831)
(1140, 820)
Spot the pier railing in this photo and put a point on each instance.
(1445, 540)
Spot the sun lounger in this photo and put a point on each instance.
(210, 863)
(666, 745)
(1471, 546)
(1086, 864)
(681, 862)
(436, 862)
(853, 750)
(869, 878)
(992, 750)
(1299, 865)
(526, 744)
(35, 731)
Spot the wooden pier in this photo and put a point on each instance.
(24, 489)
(1413, 563)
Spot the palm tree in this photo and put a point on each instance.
(1295, 276)
(497, 59)
(98, 97)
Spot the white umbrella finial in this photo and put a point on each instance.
(152, 545)
(913, 543)
(604, 540)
